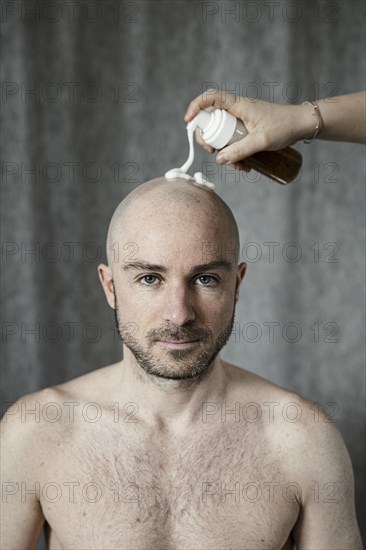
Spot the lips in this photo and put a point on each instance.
(178, 343)
(178, 337)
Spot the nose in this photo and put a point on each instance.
(178, 306)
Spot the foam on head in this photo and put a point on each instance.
(182, 172)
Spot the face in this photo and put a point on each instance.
(175, 352)
(174, 301)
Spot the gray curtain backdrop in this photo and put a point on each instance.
(92, 103)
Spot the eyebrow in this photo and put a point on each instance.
(144, 266)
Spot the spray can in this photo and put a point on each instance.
(220, 128)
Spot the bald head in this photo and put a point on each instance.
(170, 204)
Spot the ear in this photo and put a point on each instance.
(242, 267)
(106, 278)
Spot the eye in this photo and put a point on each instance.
(148, 280)
(206, 280)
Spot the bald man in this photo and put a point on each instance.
(173, 448)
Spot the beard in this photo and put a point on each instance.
(177, 364)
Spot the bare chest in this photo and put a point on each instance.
(141, 491)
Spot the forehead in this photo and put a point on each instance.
(188, 239)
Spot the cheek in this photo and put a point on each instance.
(136, 307)
(216, 306)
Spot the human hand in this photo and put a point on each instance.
(270, 126)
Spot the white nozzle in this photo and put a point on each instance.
(202, 120)
(217, 127)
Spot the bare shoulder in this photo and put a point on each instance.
(42, 415)
(308, 436)
(315, 466)
(41, 422)
(87, 387)
(35, 439)
(26, 426)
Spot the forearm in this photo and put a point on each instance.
(344, 118)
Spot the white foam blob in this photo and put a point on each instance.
(181, 172)
(202, 180)
(175, 173)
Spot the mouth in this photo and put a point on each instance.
(181, 344)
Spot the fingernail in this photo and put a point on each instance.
(222, 159)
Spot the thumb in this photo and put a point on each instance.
(240, 149)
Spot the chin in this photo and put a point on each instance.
(177, 369)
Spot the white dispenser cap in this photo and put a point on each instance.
(217, 127)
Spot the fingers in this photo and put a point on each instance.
(240, 150)
(215, 98)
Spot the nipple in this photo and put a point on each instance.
(181, 172)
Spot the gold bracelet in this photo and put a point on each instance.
(320, 123)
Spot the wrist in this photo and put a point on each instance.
(317, 121)
(306, 121)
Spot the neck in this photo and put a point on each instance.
(168, 403)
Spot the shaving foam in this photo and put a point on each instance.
(182, 172)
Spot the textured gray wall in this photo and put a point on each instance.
(147, 60)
